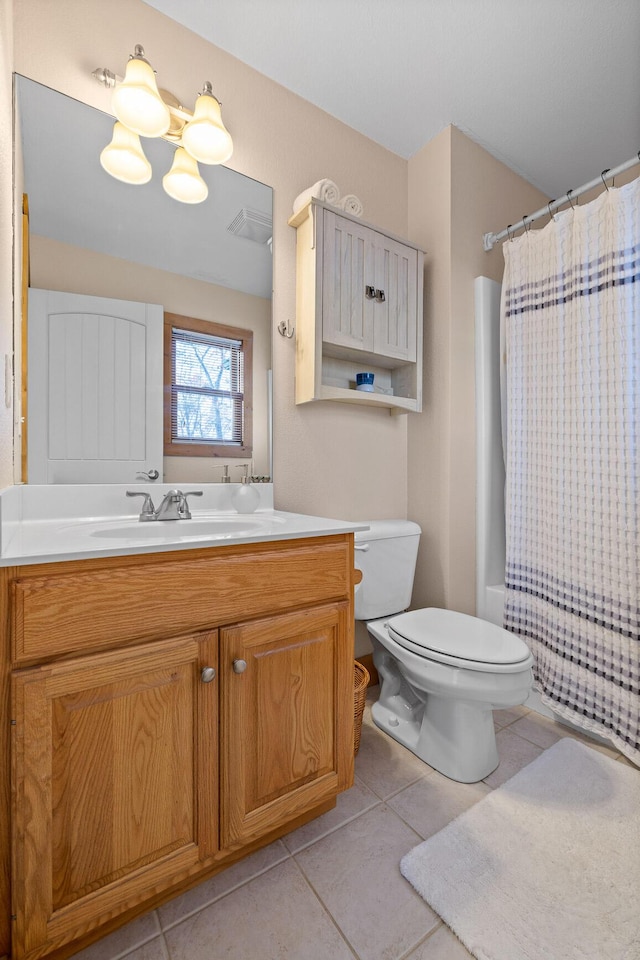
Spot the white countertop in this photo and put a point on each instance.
(30, 534)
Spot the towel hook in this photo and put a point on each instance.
(285, 329)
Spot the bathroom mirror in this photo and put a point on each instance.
(93, 235)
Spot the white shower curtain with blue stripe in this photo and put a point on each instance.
(571, 318)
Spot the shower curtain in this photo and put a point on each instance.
(571, 317)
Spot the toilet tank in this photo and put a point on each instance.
(386, 553)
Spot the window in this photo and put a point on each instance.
(207, 382)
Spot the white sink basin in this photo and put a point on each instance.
(198, 528)
(172, 529)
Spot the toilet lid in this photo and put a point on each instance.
(447, 635)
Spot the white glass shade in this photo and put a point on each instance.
(137, 103)
(124, 159)
(205, 136)
(183, 182)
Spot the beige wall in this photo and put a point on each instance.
(457, 192)
(430, 226)
(338, 460)
(60, 266)
(6, 247)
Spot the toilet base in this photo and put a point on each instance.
(443, 712)
(453, 735)
(467, 752)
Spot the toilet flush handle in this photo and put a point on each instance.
(361, 546)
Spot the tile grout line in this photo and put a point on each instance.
(390, 796)
(217, 899)
(289, 854)
(141, 943)
(419, 839)
(410, 783)
(166, 945)
(128, 951)
(333, 829)
(415, 946)
(326, 910)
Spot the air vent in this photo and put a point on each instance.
(252, 225)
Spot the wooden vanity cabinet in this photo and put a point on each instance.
(142, 766)
(281, 749)
(115, 778)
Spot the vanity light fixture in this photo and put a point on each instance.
(124, 158)
(143, 110)
(183, 182)
(136, 101)
(205, 136)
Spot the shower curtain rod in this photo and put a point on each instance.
(490, 239)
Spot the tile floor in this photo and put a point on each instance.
(332, 890)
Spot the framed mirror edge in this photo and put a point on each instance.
(26, 238)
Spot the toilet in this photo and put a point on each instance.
(442, 673)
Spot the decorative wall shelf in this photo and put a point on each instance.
(359, 308)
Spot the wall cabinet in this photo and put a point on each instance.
(359, 307)
(142, 762)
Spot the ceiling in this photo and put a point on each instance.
(550, 87)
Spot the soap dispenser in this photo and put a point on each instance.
(246, 498)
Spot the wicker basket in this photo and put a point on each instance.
(361, 682)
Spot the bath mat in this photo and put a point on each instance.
(547, 867)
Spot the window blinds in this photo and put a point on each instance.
(207, 388)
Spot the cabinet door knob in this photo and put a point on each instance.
(208, 674)
(239, 666)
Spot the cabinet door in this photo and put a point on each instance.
(395, 318)
(286, 720)
(114, 791)
(348, 266)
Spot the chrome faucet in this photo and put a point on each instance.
(185, 513)
(148, 511)
(174, 505)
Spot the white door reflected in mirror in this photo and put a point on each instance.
(96, 416)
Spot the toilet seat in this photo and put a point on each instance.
(459, 640)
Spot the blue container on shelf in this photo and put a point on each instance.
(364, 381)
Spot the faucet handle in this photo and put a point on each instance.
(148, 511)
(185, 513)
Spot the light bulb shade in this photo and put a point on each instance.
(205, 136)
(123, 158)
(137, 103)
(183, 182)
